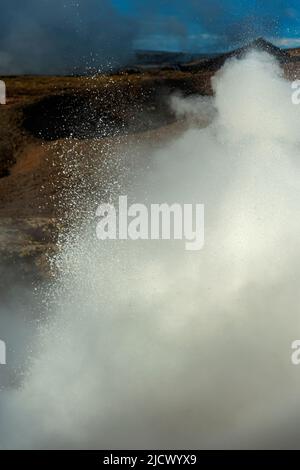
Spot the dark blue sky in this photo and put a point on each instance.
(66, 36)
(212, 24)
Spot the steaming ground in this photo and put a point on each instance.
(148, 345)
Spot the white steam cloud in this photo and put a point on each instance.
(150, 346)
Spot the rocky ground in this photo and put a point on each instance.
(57, 132)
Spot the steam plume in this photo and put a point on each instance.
(151, 346)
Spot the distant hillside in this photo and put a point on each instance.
(144, 57)
(215, 63)
(152, 60)
(193, 62)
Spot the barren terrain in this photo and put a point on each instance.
(51, 123)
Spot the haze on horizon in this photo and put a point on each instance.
(54, 37)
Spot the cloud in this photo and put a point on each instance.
(50, 36)
(228, 22)
(286, 42)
